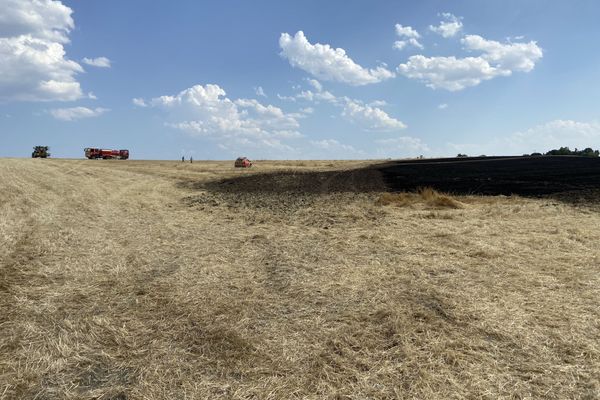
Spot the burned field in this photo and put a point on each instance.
(308, 279)
(524, 176)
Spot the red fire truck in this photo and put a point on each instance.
(106, 154)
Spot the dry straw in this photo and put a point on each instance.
(427, 196)
(142, 280)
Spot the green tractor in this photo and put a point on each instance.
(40, 152)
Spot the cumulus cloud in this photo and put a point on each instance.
(408, 36)
(205, 111)
(369, 117)
(378, 103)
(407, 31)
(75, 113)
(100, 62)
(451, 73)
(327, 63)
(315, 84)
(449, 27)
(316, 96)
(139, 102)
(442, 106)
(401, 44)
(47, 20)
(507, 57)
(33, 63)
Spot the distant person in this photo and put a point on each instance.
(191, 160)
(182, 158)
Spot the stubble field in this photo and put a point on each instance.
(169, 280)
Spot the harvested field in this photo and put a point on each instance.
(308, 280)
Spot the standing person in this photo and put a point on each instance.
(182, 158)
(191, 160)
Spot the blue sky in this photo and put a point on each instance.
(298, 80)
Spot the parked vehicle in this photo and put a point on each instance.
(106, 154)
(242, 162)
(40, 152)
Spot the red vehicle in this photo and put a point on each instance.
(242, 162)
(105, 154)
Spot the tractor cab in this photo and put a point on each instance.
(40, 152)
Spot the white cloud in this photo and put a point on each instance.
(100, 62)
(378, 103)
(406, 31)
(449, 73)
(33, 66)
(259, 91)
(401, 44)
(408, 35)
(313, 96)
(205, 111)
(269, 118)
(286, 98)
(449, 27)
(507, 57)
(139, 102)
(454, 74)
(442, 106)
(315, 84)
(47, 20)
(370, 118)
(316, 96)
(75, 113)
(327, 63)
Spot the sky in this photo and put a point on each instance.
(299, 80)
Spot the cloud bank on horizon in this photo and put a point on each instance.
(35, 67)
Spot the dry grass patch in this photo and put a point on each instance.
(397, 199)
(116, 282)
(427, 196)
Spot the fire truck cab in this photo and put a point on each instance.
(106, 154)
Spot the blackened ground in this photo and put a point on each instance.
(525, 176)
(360, 180)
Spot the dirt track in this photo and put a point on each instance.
(156, 280)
